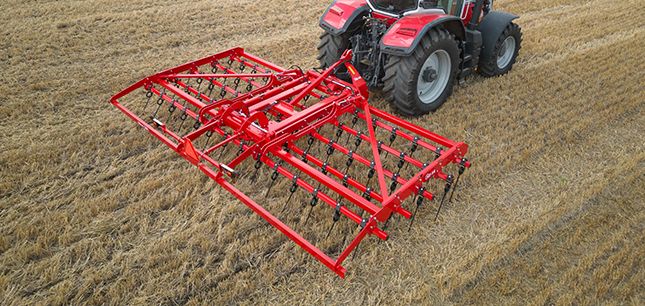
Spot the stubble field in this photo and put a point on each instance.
(94, 210)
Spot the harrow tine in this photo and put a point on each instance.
(419, 200)
(413, 149)
(209, 133)
(392, 139)
(183, 118)
(339, 131)
(336, 217)
(159, 103)
(171, 110)
(370, 173)
(219, 157)
(292, 190)
(313, 203)
(349, 161)
(362, 225)
(148, 95)
(257, 166)
(309, 214)
(354, 120)
(462, 168)
(274, 176)
(445, 191)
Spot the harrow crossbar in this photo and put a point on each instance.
(269, 115)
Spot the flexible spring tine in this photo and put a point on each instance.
(330, 229)
(171, 110)
(413, 149)
(149, 95)
(345, 184)
(222, 151)
(446, 189)
(199, 82)
(350, 161)
(258, 165)
(461, 171)
(274, 176)
(336, 217)
(354, 120)
(313, 202)
(339, 131)
(419, 200)
(310, 141)
(392, 138)
(159, 102)
(359, 243)
(292, 190)
(309, 215)
(183, 119)
(209, 133)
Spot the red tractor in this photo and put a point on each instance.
(417, 49)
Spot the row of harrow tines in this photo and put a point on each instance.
(302, 147)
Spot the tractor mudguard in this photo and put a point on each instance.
(341, 14)
(405, 34)
(491, 27)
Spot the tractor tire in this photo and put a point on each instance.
(330, 49)
(421, 82)
(505, 53)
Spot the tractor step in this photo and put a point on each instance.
(288, 136)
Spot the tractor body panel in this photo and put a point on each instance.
(405, 34)
(340, 15)
(491, 27)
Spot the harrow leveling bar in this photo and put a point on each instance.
(274, 122)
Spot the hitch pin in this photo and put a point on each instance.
(255, 125)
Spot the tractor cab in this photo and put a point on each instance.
(399, 8)
(396, 7)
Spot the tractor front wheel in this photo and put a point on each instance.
(505, 53)
(421, 82)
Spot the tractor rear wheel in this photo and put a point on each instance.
(421, 82)
(330, 49)
(505, 53)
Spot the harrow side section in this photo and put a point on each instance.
(272, 117)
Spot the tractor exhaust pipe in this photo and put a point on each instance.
(474, 20)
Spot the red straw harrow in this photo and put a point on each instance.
(240, 118)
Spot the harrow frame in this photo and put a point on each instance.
(273, 142)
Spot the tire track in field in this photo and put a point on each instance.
(538, 255)
(597, 138)
(563, 9)
(578, 28)
(505, 275)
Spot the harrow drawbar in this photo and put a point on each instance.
(240, 118)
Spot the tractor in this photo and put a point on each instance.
(418, 49)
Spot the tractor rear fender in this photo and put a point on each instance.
(405, 34)
(491, 27)
(343, 14)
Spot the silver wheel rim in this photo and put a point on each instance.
(428, 92)
(505, 53)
